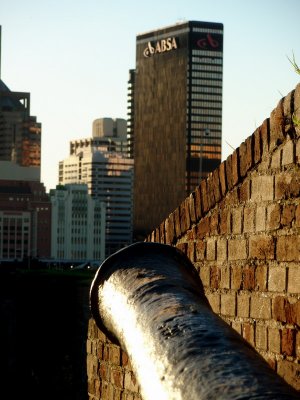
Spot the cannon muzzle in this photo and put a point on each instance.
(148, 298)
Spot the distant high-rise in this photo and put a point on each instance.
(78, 224)
(25, 209)
(175, 116)
(102, 163)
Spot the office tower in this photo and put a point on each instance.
(78, 224)
(177, 113)
(25, 209)
(102, 163)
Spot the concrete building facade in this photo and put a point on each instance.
(78, 225)
(102, 163)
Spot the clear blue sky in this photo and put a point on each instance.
(73, 56)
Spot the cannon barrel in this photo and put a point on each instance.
(149, 299)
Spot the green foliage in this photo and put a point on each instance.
(294, 64)
(296, 121)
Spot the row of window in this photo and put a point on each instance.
(206, 96)
(206, 104)
(207, 60)
(201, 126)
(202, 118)
(206, 111)
(209, 75)
(207, 30)
(201, 67)
(206, 82)
(203, 89)
(209, 53)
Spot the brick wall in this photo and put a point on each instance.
(241, 230)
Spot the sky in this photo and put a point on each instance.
(74, 56)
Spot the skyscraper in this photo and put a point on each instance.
(25, 208)
(102, 163)
(176, 114)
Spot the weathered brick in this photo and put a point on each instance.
(274, 339)
(237, 249)
(260, 307)
(235, 167)
(277, 279)
(249, 219)
(262, 247)
(276, 159)
(225, 277)
(262, 188)
(298, 149)
(216, 185)
(191, 251)
(261, 277)
(236, 218)
(249, 277)
(260, 219)
(203, 196)
(298, 344)
(273, 216)
(287, 185)
(288, 107)
(244, 191)
(200, 250)
(162, 233)
(214, 223)
(211, 249)
(265, 135)
(214, 301)
(117, 377)
(114, 354)
(261, 337)
(245, 156)
(170, 229)
(130, 382)
(297, 217)
(192, 210)
(243, 305)
(185, 221)
(222, 175)
(248, 332)
(288, 342)
(205, 275)
(225, 226)
(257, 146)
(198, 209)
(177, 222)
(237, 326)
(288, 248)
(290, 372)
(296, 107)
(236, 277)
(276, 126)
(228, 168)
(210, 191)
(215, 277)
(203, 228)
(288, 214)
(279, 308)
(228, 304)
(221, 249)
(294, 277)
(288, 153)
